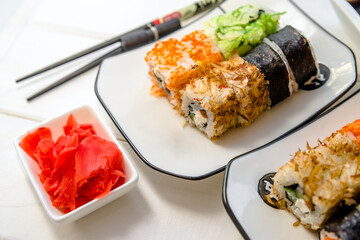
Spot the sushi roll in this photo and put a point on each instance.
(287, 61)
(317, 181)
(346, 226)
(223, 96)
(298, 53)
(209, 105)
(216, 94)
(172, 62)
(273, 65)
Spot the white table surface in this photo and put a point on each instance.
(34, 33)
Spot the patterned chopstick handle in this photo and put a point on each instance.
(188, 12)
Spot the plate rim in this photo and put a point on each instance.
(349, 12)
(138, 153)
(218, 170)
(228, 166)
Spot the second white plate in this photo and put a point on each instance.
(240, 191)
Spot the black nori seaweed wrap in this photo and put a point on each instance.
(346, 228)
(274, 70)
(297, 51)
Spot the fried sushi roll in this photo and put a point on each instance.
(317, 181)
(172, 62)
(223, 96)
(209, 105)
(298, 53)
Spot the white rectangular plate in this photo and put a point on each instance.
(155, 131)
(349, 13)
(252, 216)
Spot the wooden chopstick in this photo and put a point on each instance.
(72, 75)
(181, 14)
(128, 42)
(77, 55)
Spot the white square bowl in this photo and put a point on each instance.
(83, 114)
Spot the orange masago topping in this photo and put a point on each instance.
(353, 130)
(78, 167)
(201, 48)
(166, 53)
(175, 60)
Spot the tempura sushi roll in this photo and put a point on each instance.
(275, 69)
(298, 53)
(251, 90)
(346, 226)
(209, 105)
(172, 62)
(223, 96)
(317, 181)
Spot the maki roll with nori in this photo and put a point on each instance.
(287, 61)
(223, 96)
(298, 53)
(275, 69)
(346, 227)
(317, 181)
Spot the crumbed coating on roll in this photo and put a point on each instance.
(233, 93)
(209, 105)
(320, 179)
(249, 85)
(191, 73)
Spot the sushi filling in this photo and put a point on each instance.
(198, 115)
(293, 193)
(295, 196)
(297, 203)
(161, 83)
(328, 235)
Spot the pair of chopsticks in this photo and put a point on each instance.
(138, 37)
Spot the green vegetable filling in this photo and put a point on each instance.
(292, 193)
(157, 77)
(242, 29)
(192, 115)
